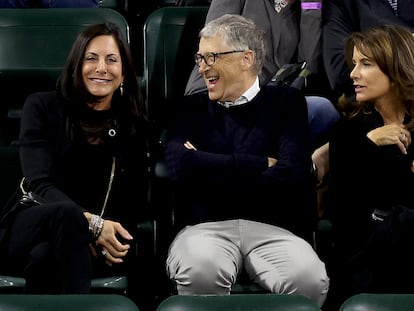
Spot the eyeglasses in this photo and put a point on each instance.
(210, 57)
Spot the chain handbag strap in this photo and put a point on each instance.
(21, 185)
(108, 191)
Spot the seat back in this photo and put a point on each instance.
(10, 172)
(111, 4)
(170, 41)
(95, 302)
(109, 285)
(379, 302)
(34, 46)
(239, 302)
(170, 36)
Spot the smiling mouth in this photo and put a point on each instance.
(211, 82)
(100, 80)
(212, 79)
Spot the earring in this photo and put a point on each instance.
(121, 89)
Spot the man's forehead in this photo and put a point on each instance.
(212, 43)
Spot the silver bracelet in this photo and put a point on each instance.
(95, 226)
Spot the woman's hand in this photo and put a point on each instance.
(391, 134)
(112, 249)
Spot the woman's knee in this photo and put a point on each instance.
(69, 220)
(67, 211)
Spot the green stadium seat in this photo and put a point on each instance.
(170, 40)
(23, 302)
(240, 302)
(379, 302)
(111, 4)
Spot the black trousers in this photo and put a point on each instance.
(49, 243)
(383, 264)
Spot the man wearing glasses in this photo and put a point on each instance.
(240, 157)
(292, 34)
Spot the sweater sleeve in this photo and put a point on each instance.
(219, 168)
(41, 132)
(294, 156)
(281, 132)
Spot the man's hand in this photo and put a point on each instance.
(189, 145)
(271, 162)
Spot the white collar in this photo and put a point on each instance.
(247, 96)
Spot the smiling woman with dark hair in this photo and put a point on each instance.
(83, 150)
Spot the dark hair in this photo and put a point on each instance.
(71, 83)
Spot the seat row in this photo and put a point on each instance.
(258, 302)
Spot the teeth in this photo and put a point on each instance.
(99, 80)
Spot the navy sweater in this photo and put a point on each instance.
(227, 177)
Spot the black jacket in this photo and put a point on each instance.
(58, 166)
(365, 177)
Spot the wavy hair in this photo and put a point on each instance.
(392, 48)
